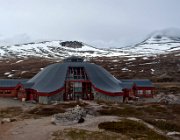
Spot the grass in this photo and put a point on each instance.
(46, 110)
(133, 129)
(154, 110)
(10, 112)
(67, 105)
(126, 111)
(80, 134)
(164, 125)
(143, 111)
(175, 109)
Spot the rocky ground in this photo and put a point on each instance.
(104, 120)
(160, 68)
(163, 70)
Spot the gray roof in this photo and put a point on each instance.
(11, 82)
(127, 85)
(138, 82)
(53, 77)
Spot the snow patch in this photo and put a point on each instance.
(149, 63)
(152, 71)
(23, 72)
(7, 73)
(145, 58)
(173, 133)
(19, 61)
(10, 75)
(131, 59)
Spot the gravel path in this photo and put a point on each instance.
(42, 128)
(9, 102)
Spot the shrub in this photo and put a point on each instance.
(131, 128)
(164, 125)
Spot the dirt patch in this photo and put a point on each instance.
(10, 112)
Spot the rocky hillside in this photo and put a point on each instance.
(160, 42)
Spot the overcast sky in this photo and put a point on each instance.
(101, 23)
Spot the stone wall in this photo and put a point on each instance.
(51, 99)
(101, 96)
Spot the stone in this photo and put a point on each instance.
(4, 120)
(81, 120)
(7, 120)
(74, 115)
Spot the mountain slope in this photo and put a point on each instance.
(54, 49)
(160, 42)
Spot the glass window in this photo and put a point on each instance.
(140, 92)
(148, 91)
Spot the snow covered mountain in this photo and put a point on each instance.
(159, 42)
(163, 41)
(54, 49)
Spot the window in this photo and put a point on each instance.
(77, 87)
(7, 92)
(148, 91)
(140, 92)
(76, 73)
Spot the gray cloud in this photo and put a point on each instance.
(98, 22)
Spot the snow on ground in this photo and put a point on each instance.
(149, 63)
(177, 55)
(125, 69)
(23, 72)
(145, 58)
(131, 59)
(10, 75)
(115, 60)
(7, 73)
(19, 61)
(173, 133)
(54, 49)
(152, 71)
(14, 70)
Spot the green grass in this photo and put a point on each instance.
(133, 129)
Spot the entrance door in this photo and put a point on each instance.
(77, 90)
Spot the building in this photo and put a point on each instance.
(73, 80)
